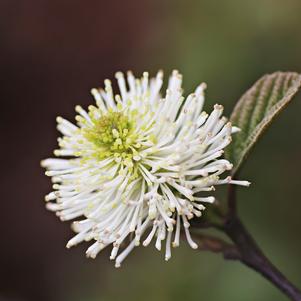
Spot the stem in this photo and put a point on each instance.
(250, 253)
(232, 200)
(217, 245)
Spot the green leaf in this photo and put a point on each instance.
(256, 109)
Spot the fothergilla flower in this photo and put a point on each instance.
(138, 166)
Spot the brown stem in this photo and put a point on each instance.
(245, 249)
(253, 257)
(250, 253)
(217, 245)
(232, 199)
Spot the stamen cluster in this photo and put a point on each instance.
(139, 165)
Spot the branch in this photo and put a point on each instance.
(232, 200)
(216, 245)
(246, 250)
(252, 256)
(244, 247)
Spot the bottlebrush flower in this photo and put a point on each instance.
(136, 165)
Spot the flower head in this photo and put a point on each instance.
(136, 165)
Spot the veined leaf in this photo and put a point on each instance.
(256, 109)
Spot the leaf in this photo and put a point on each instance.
(256, 109)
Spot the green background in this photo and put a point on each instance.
(54, 52)
(229, 45)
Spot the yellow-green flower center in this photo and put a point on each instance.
(113, 134)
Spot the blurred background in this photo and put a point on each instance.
(52, 52)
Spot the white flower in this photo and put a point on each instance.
(136, 165)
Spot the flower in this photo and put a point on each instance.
(136, 163)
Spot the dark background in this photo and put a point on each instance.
(52, 52)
